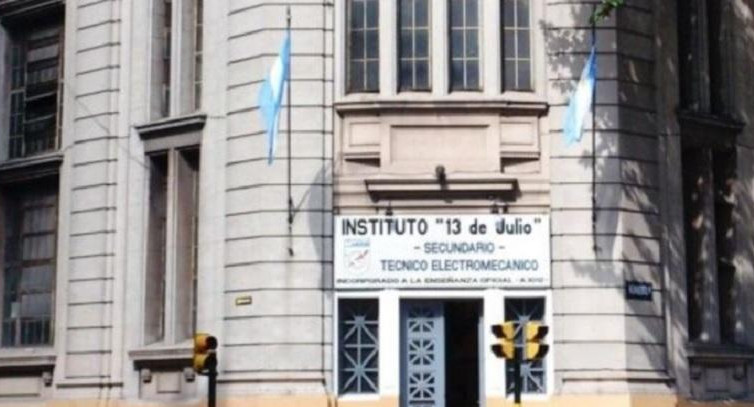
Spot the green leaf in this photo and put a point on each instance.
(604, 9)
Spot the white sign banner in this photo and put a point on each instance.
(462, 251)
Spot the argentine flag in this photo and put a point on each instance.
(271, 95)
(581, 102)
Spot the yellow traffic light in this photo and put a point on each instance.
(205, 359)
(506, 346)
(534, 333)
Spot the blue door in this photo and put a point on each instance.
(422, 354)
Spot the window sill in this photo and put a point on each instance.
(358, 397)
(172, 132)
(29, 360)
(28, 168)
(720, 353)
(520, 103)
(172, 125)
(163, 356)
(428, 187)
(18, 9)
(707, 130)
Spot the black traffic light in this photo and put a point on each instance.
(534, 334)
(205, 358)
(506, 346)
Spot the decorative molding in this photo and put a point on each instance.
(189, 374)
(722, 354)
(146, 375)
(505, 106)
(33, 361)
(29, 168)
(172, 132)
(493, 188)
(161, 357)
(707, 130)
(172, 125)
(18, 11)
(626, 376)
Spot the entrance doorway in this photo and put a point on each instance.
(441, 357)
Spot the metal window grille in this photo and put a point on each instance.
(464, 45)
(358, 370)
(35, 96)
(517, 45)
(523, 310)
(29, 275)
(414, 61)
(363, 46)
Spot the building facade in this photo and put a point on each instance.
(138, 206)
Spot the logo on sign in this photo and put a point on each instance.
(357, 255)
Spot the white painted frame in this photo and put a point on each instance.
(490, 67)
(493, 311)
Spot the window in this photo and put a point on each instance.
(703, 56)
(363, 46)
(35, 89)
(177, 57)
(464, 45)
(414, 44)
(516, 45)
(523, 310)
(30, 217)
(198, 52)
(358, 332)
(708, 182)
(171, 263)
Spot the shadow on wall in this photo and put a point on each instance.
(629, 234)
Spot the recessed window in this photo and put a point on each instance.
(709, 178)
(363, 71)
(177, 57)
(516, 45)
(171, 269)
(35, 105)
(414, 63)
(464, 44)
(30, 229)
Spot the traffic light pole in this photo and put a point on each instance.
(211, 392)
(517, 377)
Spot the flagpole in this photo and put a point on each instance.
(290, 194)
(594, 139)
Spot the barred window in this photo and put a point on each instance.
(464, 45)
(363, 46)
(414, 45)
(523, 310)
(358, 331)
(516, 45)
(177, 57)
(35, 96)
(170, 288)
(29, 271)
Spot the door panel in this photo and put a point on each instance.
(422, 354)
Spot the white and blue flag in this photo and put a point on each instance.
(581, 102)
(271, 95)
